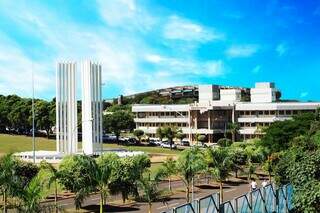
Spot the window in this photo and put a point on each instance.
(281, 112)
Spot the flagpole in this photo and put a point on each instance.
(33, 139)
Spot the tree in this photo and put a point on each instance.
(168, 169)
(138, 133)
(42, 116)
(220, 162)
(160, 133)
(201, 138)
(189, 163)
(224, 142)
(127, 172)
(33, 193)
(19, 116)
(233, 128)
(77, 174)
(170, 133)
(254, 154)
(150, 189)
(52, 178)
(8, 178)
(106, 165)
(238, 158)
(280, 133)
(4, 111)
(118, 121)
(302, 169)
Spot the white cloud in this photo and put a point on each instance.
(16, 71)
(121, 56)
(153, 58)
(238, 51)
(304, 94)
(281, 49)
(178, 28)
(256, 69)
(126, 14)
(186, 66)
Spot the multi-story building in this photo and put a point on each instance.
(217, 107)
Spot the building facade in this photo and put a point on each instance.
(91, 107)
(66, 108)
(217, 108)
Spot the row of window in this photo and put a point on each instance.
(161, 124)
(161, 114)
(274, 112)
(254, 124)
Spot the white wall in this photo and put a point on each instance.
(208, 93)
(230, 95)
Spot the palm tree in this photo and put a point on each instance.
(170, 133)
(219, 162)
(150, 189)
(169, 169)
(8, 179)
(103, 174)
(52, 179)
(233, 128)
(253, 153)
(189, 163)
(160, 133)
(33, 193)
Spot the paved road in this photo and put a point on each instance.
(231, 191)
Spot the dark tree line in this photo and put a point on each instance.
(16, 115)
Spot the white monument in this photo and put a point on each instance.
(91, 107)
(66, 108)
(66, 114)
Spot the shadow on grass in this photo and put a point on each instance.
(109, 208)
(236, 183)
(209, 186)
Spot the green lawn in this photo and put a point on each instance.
(17, 143)
(146, 149)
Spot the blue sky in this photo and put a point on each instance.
(144, 45)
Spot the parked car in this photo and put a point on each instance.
(185, 142)
(108, 138)
(201, 145)
(152, 142)
(167, 145)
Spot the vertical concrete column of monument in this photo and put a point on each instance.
(91, 107)
(66, 108)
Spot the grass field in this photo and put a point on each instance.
(17, 143)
